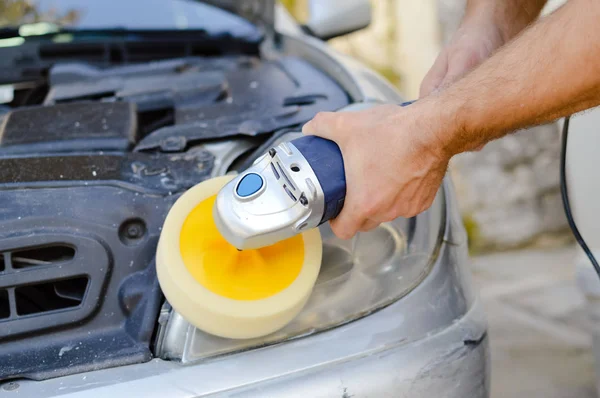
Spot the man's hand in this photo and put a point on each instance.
(395, 158)
(487, 25)
(393, 162)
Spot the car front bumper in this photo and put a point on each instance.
(442, 365)
(431, 343)
(453, 363)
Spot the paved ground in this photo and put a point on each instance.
(540, 342)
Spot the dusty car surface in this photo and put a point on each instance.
(108, 115)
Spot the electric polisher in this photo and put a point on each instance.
(294, 187)
(238, 256)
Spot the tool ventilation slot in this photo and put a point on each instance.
(47, 255)
(50, 296)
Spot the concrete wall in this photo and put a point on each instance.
(509, 192)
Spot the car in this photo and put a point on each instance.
(110, 112)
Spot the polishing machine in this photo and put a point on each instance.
(295, 186)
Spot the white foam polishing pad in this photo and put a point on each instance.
(226, 292)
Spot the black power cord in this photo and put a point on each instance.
(565, 197)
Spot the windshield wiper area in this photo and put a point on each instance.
(27, 59)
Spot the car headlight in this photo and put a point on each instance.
(357, 278)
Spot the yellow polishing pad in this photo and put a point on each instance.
(221, 290)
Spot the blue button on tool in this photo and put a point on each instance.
(249, 185)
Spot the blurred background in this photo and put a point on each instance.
(509, 192)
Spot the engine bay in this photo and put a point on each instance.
(90, 163)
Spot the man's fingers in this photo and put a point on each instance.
(323, 125)
(345, 226)
(461, 64)
(435, 76)
(368, 225)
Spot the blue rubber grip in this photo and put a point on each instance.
(325, 158)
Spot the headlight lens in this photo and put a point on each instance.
(357, 278)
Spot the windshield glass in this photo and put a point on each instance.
(127, 14)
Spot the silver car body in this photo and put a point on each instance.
(431, 342)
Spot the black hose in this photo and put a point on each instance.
(565, 197)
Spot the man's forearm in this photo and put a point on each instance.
(550, 71)
(512, 16)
